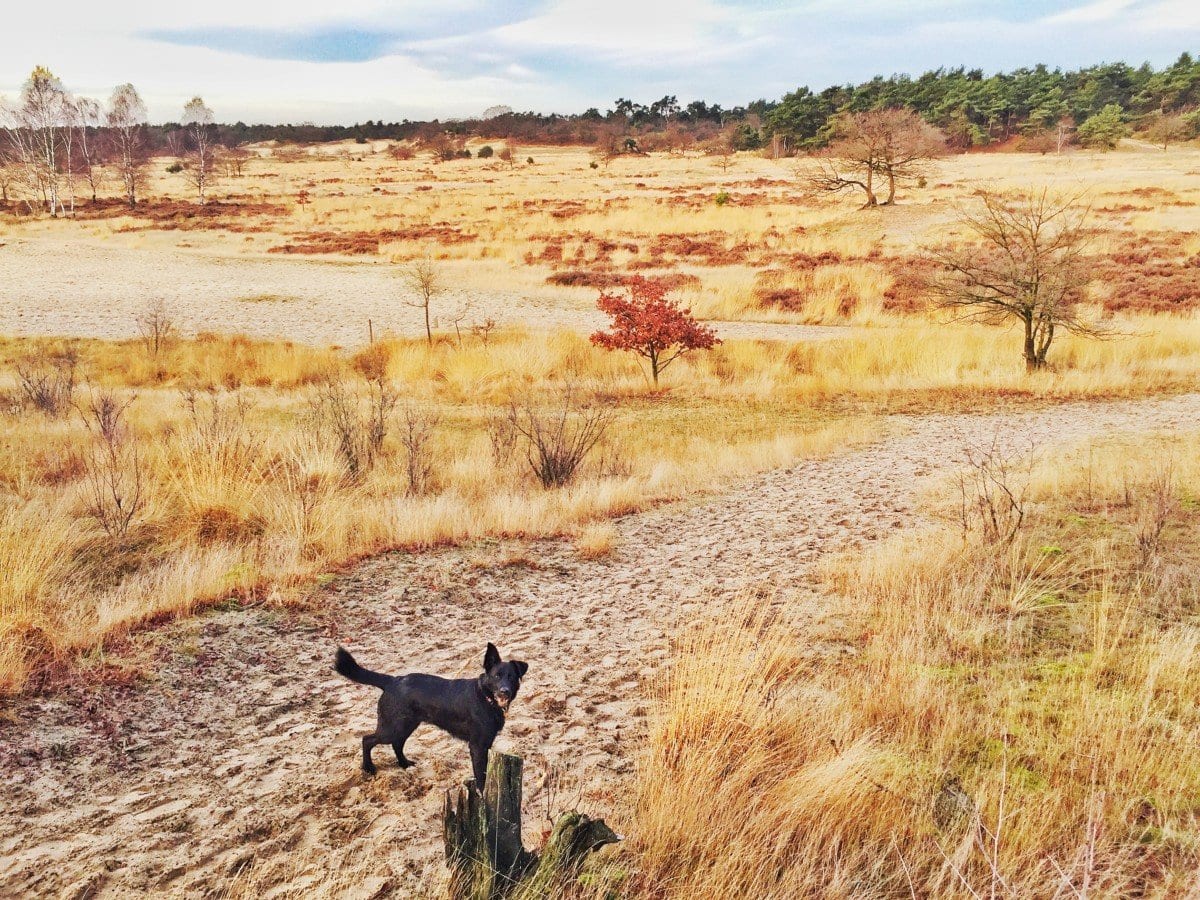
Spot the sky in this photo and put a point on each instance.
(352, 60)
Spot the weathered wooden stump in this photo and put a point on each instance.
(483, 839)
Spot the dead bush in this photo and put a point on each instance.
(558, 439)
(156, 327)
(993, 489)
(46, 379)
(113, 464)
(1158, 500)
(357, 420)
(416, 436)
(218, 427)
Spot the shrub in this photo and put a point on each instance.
(722, 198)
(47, 379)
(175, 168)
(557, 440)
(358, 425)
(485, 152)
(416, 436)
(114, 466)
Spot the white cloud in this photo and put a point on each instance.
(1099, 11)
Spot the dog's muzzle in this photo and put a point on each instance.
(502, 701)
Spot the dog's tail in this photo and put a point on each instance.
(344, 664)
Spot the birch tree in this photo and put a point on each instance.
(200, 156)
(88, 117)
(33, 131)
(126, 120)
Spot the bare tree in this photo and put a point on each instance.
(721, 148)
(126, 120)
(156, 327)
(1168, 129)
(1027, 263)
(8, 174)
(1064, 133)
(200, 153)
(425, 280)
(234, 160)
(890, 144)
(461, 313)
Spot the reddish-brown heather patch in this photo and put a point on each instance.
(179, 215)
(367, 242)
(607, 278)
(352, 243)
(908, 292)
(1146, 276)
(707, 248)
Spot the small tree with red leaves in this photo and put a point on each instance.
(645, 322)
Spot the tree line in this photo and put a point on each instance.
(51, 141)
(975, 110)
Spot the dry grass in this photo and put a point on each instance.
(596, 541)
(243, 495)
(978, 720)
(240, 493)
(561, 222)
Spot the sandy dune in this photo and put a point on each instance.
(77, 288)
(244, 746)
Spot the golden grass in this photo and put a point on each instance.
(511, 214)
(596, 541)
(244, 497)
(970, 720)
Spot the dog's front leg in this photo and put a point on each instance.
(479, 756)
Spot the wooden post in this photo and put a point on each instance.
(483, 839)
(370, 332)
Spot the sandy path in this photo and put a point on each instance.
(88, 289)
(244, 746)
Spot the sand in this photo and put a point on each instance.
(68, 286)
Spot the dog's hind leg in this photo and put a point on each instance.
(403, 730)
(369, 741)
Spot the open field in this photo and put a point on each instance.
(760, 599)
(529, 245)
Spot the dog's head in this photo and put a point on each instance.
(501, 680)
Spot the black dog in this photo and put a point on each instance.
(470, 709)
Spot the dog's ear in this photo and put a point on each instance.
(521, 667)
(491, 659)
